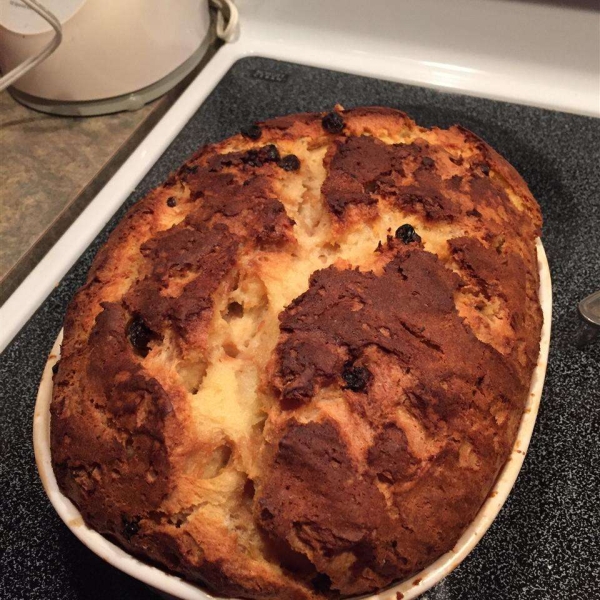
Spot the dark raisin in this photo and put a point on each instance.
(252, 132)
(371, 186)
(252, 158)
(130, 526)
(356, 378)
(333, 122)
(290, 163)
(270, 153)
(321, 582)
(257, 158)
(457, 161)
(140, 335)
(427, 162)
(171, 202)
(407, 234)
(485, 168)
(55, 368)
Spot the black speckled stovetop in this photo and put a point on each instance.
(545, 542)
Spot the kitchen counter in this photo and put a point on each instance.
(50, 167)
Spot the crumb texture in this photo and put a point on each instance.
(297, 367)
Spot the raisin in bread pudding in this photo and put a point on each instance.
(297, 367)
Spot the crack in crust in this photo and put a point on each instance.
(264, 390)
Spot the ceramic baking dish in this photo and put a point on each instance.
(176, 587)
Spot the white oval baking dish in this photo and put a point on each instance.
(411, 588)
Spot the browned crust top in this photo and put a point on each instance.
(297, 367)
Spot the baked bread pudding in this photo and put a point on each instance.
(297, 367)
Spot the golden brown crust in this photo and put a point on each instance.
(297, 367)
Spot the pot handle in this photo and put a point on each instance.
(227, 19)
(20, 70)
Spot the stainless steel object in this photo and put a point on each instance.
(589, 311)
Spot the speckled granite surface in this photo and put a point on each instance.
(45, 163)
(544, 544)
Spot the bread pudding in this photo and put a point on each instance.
(297, 367)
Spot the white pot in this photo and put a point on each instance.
(110, 48)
